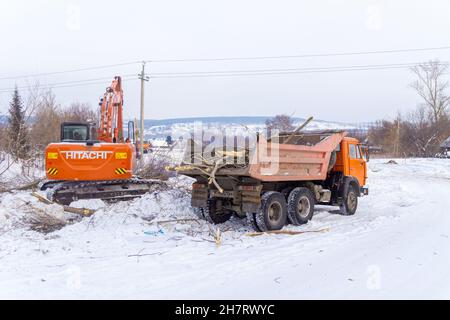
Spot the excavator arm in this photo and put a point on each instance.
(110, 127)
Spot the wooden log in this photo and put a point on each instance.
(41, 198)
(27, 186)
(177, 220)
(82, 211)
(289, 138)
(288, 232)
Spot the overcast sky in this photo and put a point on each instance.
(49, 36)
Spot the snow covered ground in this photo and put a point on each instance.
(396, 246)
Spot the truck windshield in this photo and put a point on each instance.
(75, 133)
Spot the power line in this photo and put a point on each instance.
(61, 84)
(251, 74)
(282, 71)
(69, 71)
(231, 73)
(338, 68)
(226, 59)
(299, 56)
(234, 72)
(68, 84)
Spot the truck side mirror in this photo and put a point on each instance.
(365, 149)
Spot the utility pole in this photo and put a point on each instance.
(143, 78)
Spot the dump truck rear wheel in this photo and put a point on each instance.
(273, 212)
(349, 201)
(300, 206)
(215, 213)
(286, 192)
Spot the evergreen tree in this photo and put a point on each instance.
(17, 130)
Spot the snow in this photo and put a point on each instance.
(396, 246)
(15, 173)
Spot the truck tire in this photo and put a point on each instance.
(285, 192)
(199, 212)
(251, 219)
(215, 213)
(273, 212)
(349, 201)
(300, 206)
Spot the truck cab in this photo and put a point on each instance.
(351, 159)
(348, 176)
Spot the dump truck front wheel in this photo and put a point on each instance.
(214, 212)
(300, 206)
(199, 212)
(350, 201)
(273, 212)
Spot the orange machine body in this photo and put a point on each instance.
(350, 160)
(111, 109)
(78, 161)
(106, 158)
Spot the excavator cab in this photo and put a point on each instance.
(78, 132)
(75, 132)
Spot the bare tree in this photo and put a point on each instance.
(33, 100)
(79, 112)
(49, 115)
(432, 87)
(421, 136)
(48, 118)
(387, 135)
(280, 122)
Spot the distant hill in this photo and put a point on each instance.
(175, 127)
(160, 129)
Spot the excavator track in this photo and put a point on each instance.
(65, 192)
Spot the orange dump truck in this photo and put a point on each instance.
(277, 181)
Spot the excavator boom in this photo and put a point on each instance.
(111, 108)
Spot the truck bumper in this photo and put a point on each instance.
(364, 191)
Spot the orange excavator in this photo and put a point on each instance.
(95, 161)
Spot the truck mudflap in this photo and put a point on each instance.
(199, 195)
(250, 197)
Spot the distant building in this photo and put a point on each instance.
(445, 146)
(375, 149)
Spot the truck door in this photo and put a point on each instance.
(357, 164)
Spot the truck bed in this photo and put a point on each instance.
(305, 157)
